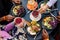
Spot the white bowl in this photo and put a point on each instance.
(33, 18)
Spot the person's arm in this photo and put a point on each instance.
(3, 18)
(46, 39)
(48, 5)
(58, 6)
(5, 6)
(51, 2)
(45, 35)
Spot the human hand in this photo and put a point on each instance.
(45, 34)
(1, 38)
(16, 1)
(9, 17)
(59, 12)
(43, 9)
(58, 18)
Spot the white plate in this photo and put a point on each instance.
(30, 31)
(33, 18)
